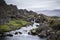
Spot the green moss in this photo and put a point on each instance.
(13, 25)
(31, 16)
(4, 28)
(19, 22)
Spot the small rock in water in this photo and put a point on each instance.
(9, 35)
(20, 32)
(42, 36)
(29, 33)
(16, 33)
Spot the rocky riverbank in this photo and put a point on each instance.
(12, 18)
(48, 29)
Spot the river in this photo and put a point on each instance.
(24, 35)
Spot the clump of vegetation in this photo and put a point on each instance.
(31, 16)
(18, 23)
(13, 24)
(4, 28)
(55, 24)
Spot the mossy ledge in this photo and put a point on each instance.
(13, 25)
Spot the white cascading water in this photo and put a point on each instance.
(24, 35)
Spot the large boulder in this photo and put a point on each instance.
(42, 34)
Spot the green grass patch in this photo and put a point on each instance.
(31, 16)
(4, 28)
(19, 22)
(13, 25)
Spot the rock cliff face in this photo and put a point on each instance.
(3, 13)
(8, 12)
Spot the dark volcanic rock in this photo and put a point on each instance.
(9, 35)
(17, 33)
(20, 33)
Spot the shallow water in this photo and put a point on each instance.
(24, 35)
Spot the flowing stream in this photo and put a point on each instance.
(24, 35)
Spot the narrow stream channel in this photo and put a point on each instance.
(24, 35)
